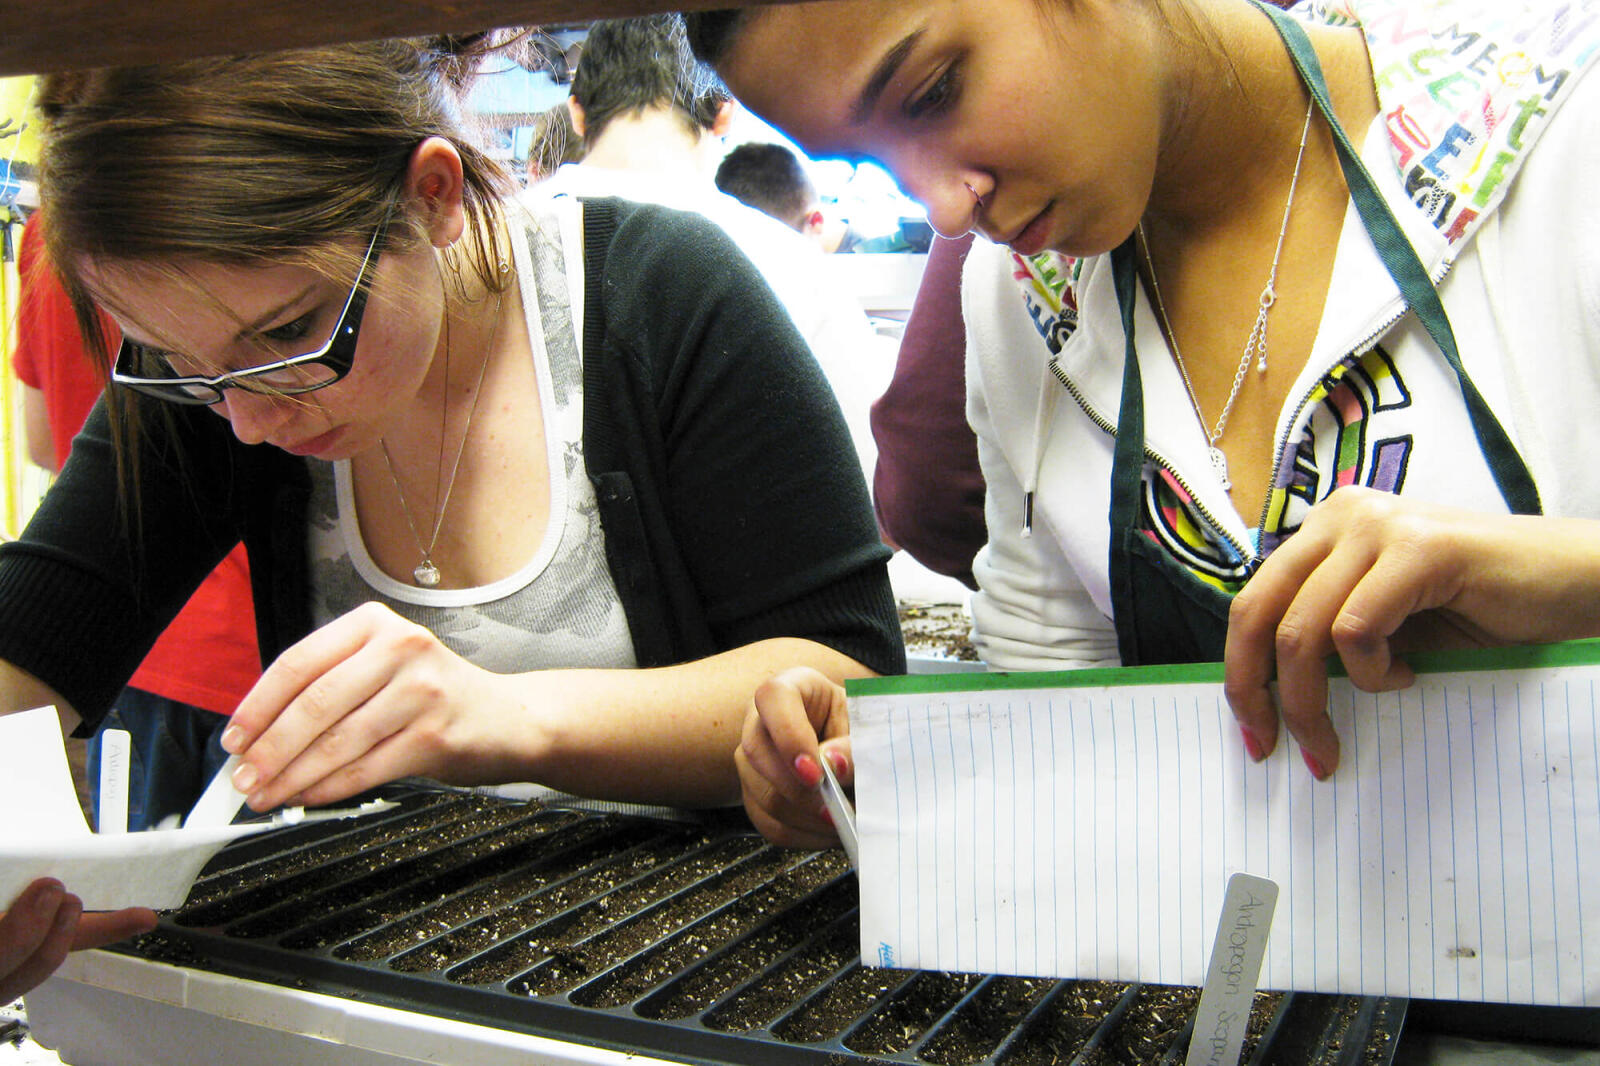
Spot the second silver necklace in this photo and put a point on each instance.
(426, 574)
(1255, 344)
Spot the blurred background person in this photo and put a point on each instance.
(928, 488)
(652, 123)
(554, 142)
(771, 178)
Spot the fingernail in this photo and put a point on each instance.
(838, 760)
(71, 910)
(827, 814)
(244, 778)
(46, 902)
(1313, 765)
(806, 768)
(1252, 745)
(232, 739)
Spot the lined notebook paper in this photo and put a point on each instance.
(1085, 825)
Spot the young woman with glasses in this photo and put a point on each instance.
(529, 493)
(1246, 387)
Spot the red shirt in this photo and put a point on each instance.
(208, 657)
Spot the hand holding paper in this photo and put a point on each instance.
(1371, 574)
(44, 923)
(779, 757)
(107, 872)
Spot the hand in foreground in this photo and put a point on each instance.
(777, 756)
(368, 698)
(1370, 575)
(44, 923)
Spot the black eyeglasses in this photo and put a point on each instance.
(147, 371)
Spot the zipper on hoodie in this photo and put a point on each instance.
(1245, 551)
(1365, 345)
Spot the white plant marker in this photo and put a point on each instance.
(1230, 989)
(844, 815)
(116, 749)
(220, 801)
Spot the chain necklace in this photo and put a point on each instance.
(1255, 344)
(426, 573)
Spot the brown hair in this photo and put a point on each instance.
(631, 64)
(254, 158)
(770, 178)
(270, 158)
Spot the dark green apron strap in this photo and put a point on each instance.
(1162, 612)
(1127, 464)
(1400, 259)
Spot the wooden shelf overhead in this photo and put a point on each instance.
(37, 36)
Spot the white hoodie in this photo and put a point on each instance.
(1511, 237)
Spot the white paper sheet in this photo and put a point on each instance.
(46, 835)
(1090, 832)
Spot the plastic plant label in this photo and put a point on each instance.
(1230, 986)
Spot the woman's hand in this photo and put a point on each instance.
(1370, 575)
(778, 756)
(368, 698)
(44, 923)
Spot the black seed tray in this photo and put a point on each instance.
(696, 942)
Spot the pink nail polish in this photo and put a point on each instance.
(806, 768)
(1314, 766)
(1252, 745)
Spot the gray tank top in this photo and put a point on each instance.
(560, 609)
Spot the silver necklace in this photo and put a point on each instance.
(426, 574)
(1255, 344)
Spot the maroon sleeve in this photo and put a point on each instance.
(927, 488)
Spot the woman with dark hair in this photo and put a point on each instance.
(1281, 342)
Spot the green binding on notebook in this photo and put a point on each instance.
(1455, 660)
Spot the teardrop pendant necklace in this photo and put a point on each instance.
(1254, 345)
(426, 574)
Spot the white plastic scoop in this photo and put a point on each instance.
(843, 813)
(220, 802)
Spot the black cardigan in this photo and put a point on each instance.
(732, 501)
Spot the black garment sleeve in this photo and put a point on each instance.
(748, 488)
(107, 561)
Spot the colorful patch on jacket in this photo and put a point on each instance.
(1049, 290)
(1465, 88)
(1170, 517)
(1337, 444)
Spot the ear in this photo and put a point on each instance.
(724, 120)
(435, 186)
(580, 122)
